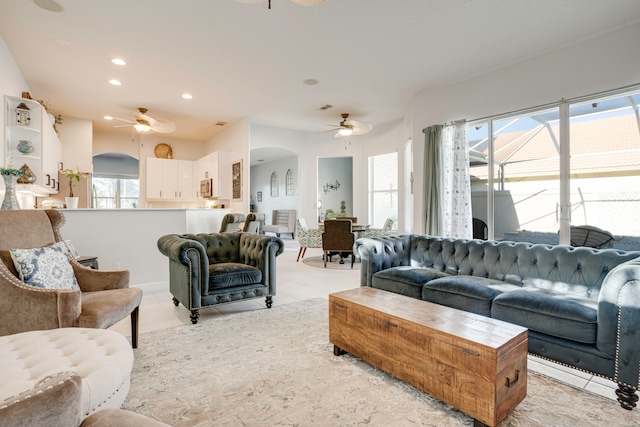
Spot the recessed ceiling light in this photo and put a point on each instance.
(115, 82)
(310, 82)
(108, 118)
(187, 96)
(49, 5)
(119, 61)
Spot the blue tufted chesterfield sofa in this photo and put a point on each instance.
(216, 268)
(581, 305)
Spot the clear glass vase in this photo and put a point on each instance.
(10, 200)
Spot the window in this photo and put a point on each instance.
(274, 184)
(289, 183)
(115, 193)
(536, 173)
(383, 189)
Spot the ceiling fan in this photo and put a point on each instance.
(349, 127)
(144, 123)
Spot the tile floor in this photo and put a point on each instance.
(296, 282)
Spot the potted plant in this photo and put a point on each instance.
(72, 175)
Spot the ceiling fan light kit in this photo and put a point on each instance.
(144, 123)
(348, 127)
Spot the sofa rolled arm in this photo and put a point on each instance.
(380, 253)
(618, 333)
(188, 266)
(260, 251)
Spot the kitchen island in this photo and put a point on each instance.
(126, 239)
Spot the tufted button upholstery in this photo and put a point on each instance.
(102, 358)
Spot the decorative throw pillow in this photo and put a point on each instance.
(47, 267)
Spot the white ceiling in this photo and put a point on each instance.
(244, 60)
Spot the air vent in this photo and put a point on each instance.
(221, 123)
(325, 107)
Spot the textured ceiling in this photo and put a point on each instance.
(244, 60)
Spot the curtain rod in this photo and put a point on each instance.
(453, 122)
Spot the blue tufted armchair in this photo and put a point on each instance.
(217, 268)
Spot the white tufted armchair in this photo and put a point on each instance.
(307, 238)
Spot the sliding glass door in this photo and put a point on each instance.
(605, 159)
(537, 173)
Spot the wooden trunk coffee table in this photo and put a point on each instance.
(474, 363)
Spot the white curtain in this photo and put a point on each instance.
(447, 194)
(456, 184)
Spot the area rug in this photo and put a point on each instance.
(276, 368)
(317, 261)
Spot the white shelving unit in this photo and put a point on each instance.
(39, 134)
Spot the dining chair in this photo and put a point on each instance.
(337, 237)
(307, 238)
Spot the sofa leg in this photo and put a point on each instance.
(269, 301)
(627, 396)
(135, 322)
(176, 302)
(195, 315)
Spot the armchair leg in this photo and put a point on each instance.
(325, 258)
(299, 253)
(195, 315)
(269, 301)
(627, 396)
(135, 322)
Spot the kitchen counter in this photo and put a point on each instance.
(127, 238)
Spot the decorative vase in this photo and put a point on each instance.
(72, 202)
(28, 177)
(10, 200)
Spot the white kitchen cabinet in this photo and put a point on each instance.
(29, 139)
(170, 179)
(186, 187)
(217, 166)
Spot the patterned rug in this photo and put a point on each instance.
(276, 368)
(317, 261)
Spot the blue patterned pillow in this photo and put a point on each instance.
(46, 267)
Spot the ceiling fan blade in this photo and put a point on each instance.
(359, 128)
(121, 126)
(124, 120)
(162, 126)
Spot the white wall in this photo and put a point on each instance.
(261, 179)
(235, 139)
(330, 170)
(11, 83)
(604, 63)
(308, 147)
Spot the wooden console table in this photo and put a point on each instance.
(474, 363)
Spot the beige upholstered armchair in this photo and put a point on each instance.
(307, 238)
(283, 221)
(99, 300)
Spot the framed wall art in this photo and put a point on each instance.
(236, 176)
(259, 196)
